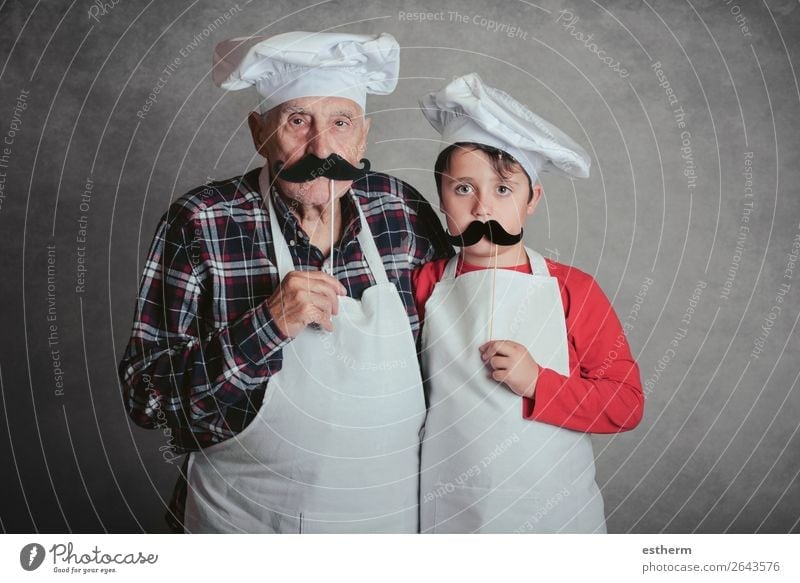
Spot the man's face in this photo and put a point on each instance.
(473, 191)
(315, 125)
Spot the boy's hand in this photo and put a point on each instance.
(512, 364)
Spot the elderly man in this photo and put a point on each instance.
(275, 329)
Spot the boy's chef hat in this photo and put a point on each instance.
(306, 64)
(466, 110)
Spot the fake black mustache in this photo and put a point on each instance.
(477, 230)
(310, 168)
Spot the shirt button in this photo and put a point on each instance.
(292, 243)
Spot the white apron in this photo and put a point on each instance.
(335, 445)
(484, 467)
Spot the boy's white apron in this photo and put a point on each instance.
(335, 444)
(484, 467)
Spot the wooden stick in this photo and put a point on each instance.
(494, 280)
(332, 220)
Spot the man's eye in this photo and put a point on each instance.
(341, 123)
(296, 121)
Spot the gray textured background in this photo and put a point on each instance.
(718, 448)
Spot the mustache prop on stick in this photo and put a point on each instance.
(477, 230)
(310, 167)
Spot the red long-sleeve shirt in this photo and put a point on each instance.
(603, 392)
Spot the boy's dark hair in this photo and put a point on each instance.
(502, 163)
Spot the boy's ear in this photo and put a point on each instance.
(535, 198)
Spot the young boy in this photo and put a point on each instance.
(523, 356)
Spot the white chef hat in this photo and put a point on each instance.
(309, 64)
(466, 110)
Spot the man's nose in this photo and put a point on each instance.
(320, 144)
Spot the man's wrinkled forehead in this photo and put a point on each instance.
(319, 106)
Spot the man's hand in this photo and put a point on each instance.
(512, 364)
(303, 298)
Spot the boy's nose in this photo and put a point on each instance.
(481, 208)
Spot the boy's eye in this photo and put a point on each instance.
(463, 189)
(503, 189)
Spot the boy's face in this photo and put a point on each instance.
(472, 190)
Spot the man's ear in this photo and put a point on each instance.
(256, 124)
(535, 198)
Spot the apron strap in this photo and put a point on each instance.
(538, 266)
(365, 239)
(282, 255)
(450, 270)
